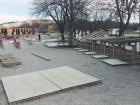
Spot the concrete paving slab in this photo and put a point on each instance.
(21, 87)
(83, 50)
(114, 62)
(89, 53)
(66, 77)
(100, 56)
(78, 48)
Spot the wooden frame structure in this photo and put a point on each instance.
(112, 46)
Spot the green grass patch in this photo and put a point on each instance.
(132, 32)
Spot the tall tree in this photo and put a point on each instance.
(50, 8)
(124, 10)
(63, 12)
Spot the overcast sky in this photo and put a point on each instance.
(15, 10)
(12, 10)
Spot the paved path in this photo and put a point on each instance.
(121, 84)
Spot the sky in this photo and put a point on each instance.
(20, 10)
(15, 10)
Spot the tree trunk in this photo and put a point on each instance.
(71, 23)
(121, 32)
(61, 29)
(71, 36)
(121, 29)
(62, 37)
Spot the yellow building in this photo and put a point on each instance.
(52, 27)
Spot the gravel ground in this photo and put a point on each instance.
(120, 84)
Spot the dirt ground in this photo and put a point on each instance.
(120, 84)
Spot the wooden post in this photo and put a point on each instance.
(124, 48)
(104, 48)
(113, 49)
(119, 49)
(92, 46)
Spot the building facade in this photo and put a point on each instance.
(15, 29)
(27, 27)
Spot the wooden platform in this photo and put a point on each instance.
(11, 62)
(38, 55)
(56, 44)
(83, 50)
(67, 77)
(89, 53)
(100, 56)
(29, 85)
(5, 55)
(78, 48)
(26, 86)
(8, 60)
(51, 44)
(114, 62)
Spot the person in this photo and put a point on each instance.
(15, 42)
(39, 37)
(1, 43)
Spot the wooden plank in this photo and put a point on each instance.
(114, 62)
(30, 85)
(52, 44)
(2, 56)
(89, 53)
(10, 61)
(38, 55)
(66, 77)
(26, 86)
(100, 56)
(83, 50)
(78, 48)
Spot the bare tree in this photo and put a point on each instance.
(53, 9)
(123, 9)
(77, 9)
(100, 15)
(63, 12)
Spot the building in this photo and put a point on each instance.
(45, 26)
(52, 27)
(15, 28)
(27, 27)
